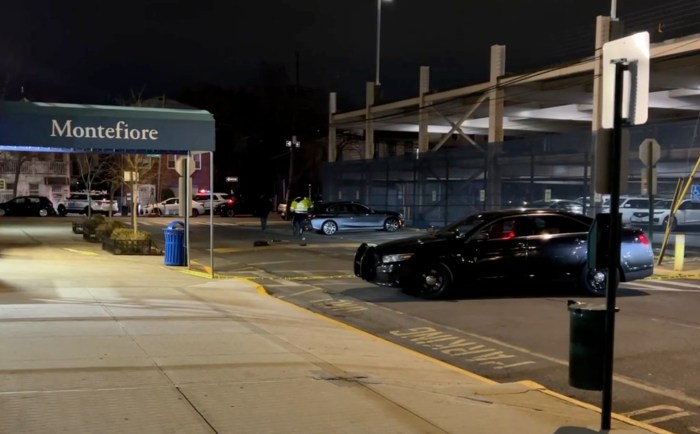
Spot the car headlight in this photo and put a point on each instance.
(396, 258)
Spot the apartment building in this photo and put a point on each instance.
(42, 173)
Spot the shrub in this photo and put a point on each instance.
(90, 224)
(127, 234)
(105, 229)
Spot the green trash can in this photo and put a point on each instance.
(586, 345)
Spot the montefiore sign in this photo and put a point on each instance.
(119, 131)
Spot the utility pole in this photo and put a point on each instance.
(294, 143)
(291, 144)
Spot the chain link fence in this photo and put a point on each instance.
(435, 188)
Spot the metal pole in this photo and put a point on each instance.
(187, 208)
(613, 246)
(291, 173)
(379, 31)
(613, 10)
(211, 212)
(650, 191)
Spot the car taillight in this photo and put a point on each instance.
(643, 239)
(229, 202)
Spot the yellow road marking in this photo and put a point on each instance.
(317, 277)
(82, 252)
(673, 276)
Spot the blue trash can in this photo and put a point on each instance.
(174, 243)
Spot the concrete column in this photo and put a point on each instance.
(423, 116)
(332, 145)
(369, 123)
(494, 147)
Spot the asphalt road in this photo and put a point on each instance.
(507, 334)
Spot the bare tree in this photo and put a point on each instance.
(137, 168)
(113, 175)
(91, 169)
(347, 141)
(19, 158)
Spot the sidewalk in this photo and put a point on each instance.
(95, 343)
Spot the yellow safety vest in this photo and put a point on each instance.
(303, 205)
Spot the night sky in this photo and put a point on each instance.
(97, 51)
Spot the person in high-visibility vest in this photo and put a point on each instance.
(293, 206)
(299, 214)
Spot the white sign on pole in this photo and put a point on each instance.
(180, 165)
(130, 176)
(649, 152)
(634, 52)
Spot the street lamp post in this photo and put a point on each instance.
(291, 144)
(379, 32)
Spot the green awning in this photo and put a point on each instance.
(96, 128)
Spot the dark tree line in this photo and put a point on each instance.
(254, 121)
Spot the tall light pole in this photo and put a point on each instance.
(291, 144)
(379, 34)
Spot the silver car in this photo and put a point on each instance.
(557, 204)
(331, 217)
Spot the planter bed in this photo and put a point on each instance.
(89, 235)
(130, 247)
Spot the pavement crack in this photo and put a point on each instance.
(194, 407)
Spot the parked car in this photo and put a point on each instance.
(282, 206)
(628, 206)
(227, 208)
(217, 198)
(604, 201)
(28, 206)
(80, 202)
(282, 209)
(517, 245)
(234, 206)
(558, 204)
(331, 217)
(172, 207)
(688, 214)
